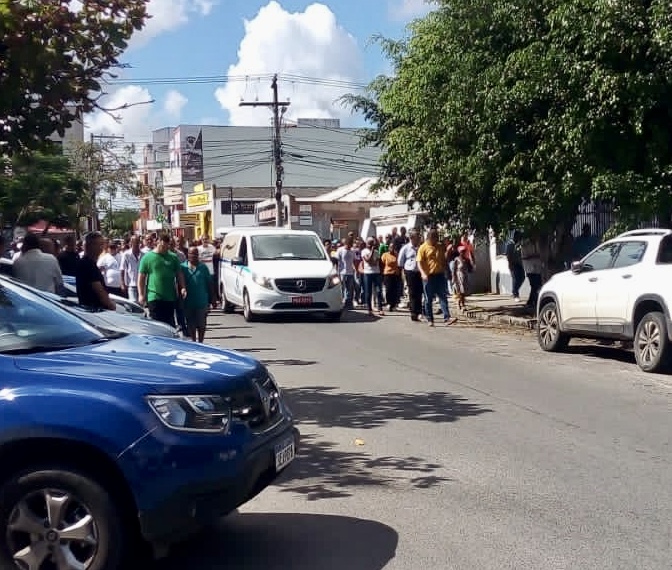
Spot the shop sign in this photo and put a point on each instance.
(198, 202)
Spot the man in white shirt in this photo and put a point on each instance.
(110, 266)
(130, 261)
(38, 269)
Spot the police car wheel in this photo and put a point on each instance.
(61, 519)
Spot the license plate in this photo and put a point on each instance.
(284, 454)
(305, 300)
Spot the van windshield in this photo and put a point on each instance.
(287, 246)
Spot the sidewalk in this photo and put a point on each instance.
(496, 309)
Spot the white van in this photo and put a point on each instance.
(274, 270)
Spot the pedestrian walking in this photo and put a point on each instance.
(515, 261)
(372, 278)
(158, 271)
(130, 264)
(532, 264)
(391, 276)
(91, 290)
(36, 268)
(346, 271)
(407, 260)
(200, 295)
(110, 266)
(432, 262)
(68, 258)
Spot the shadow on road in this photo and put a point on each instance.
(327, 407)
(211, 336)
(605, 352)
(270, 541)
(323, 471)
(288, 362)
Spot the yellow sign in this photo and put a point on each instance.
(198, 200)
(200, 187)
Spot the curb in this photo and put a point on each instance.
(482, 315)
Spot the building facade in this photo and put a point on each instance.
(231, 168)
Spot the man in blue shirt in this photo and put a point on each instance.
(407, 261)
(200, 294)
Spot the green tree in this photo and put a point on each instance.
(512, 112)
(53, 58)
(118, 223)
(39, 186)
(107, 171)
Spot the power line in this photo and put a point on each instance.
(211, 79)
(277, 107)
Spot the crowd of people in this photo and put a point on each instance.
(177, 282)
(381, 271)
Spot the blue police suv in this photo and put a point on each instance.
(108, 440)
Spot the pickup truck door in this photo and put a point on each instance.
(620, 283)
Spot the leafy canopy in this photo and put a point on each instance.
(54, 57)
(39, 186)
(511, 112)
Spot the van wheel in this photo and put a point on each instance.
(249, 316)
(226, 306)
(59, 518)
(651, 347)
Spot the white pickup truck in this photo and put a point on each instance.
(622, 290)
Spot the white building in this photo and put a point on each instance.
(316, 156)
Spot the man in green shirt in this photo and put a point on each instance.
(158, 271)
(200, 294)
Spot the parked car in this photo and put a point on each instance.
(619, 291)
(104, 439)
(70, 283)
(272, 270)
(123, 305)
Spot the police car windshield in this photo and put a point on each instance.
(31, 323)
(287, 246)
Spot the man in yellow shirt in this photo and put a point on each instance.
(432, 265)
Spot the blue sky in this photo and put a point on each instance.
(247, 40)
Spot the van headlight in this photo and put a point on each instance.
(262, 281)
(210, 414)
(333, 280)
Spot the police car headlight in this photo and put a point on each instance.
(262, 281)
(210, 414)
(333, 280)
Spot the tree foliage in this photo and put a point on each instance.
(511, 112)
(106, 170)
(39, 186)
(54, 56)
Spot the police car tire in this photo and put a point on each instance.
(249, 316)
(96, 499)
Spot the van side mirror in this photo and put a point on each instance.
(237, 261)
(577, 267)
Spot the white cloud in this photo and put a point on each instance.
(168, 15)
(174, 103)
(135, 122)
(403, 10)
(310, 44)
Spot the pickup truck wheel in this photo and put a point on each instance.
(651, 347)
(549, 335)
(61, 519)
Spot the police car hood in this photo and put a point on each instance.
(165, 365)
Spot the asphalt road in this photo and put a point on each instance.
(451, 448)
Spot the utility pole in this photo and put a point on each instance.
(233, 214)
(278, 108)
